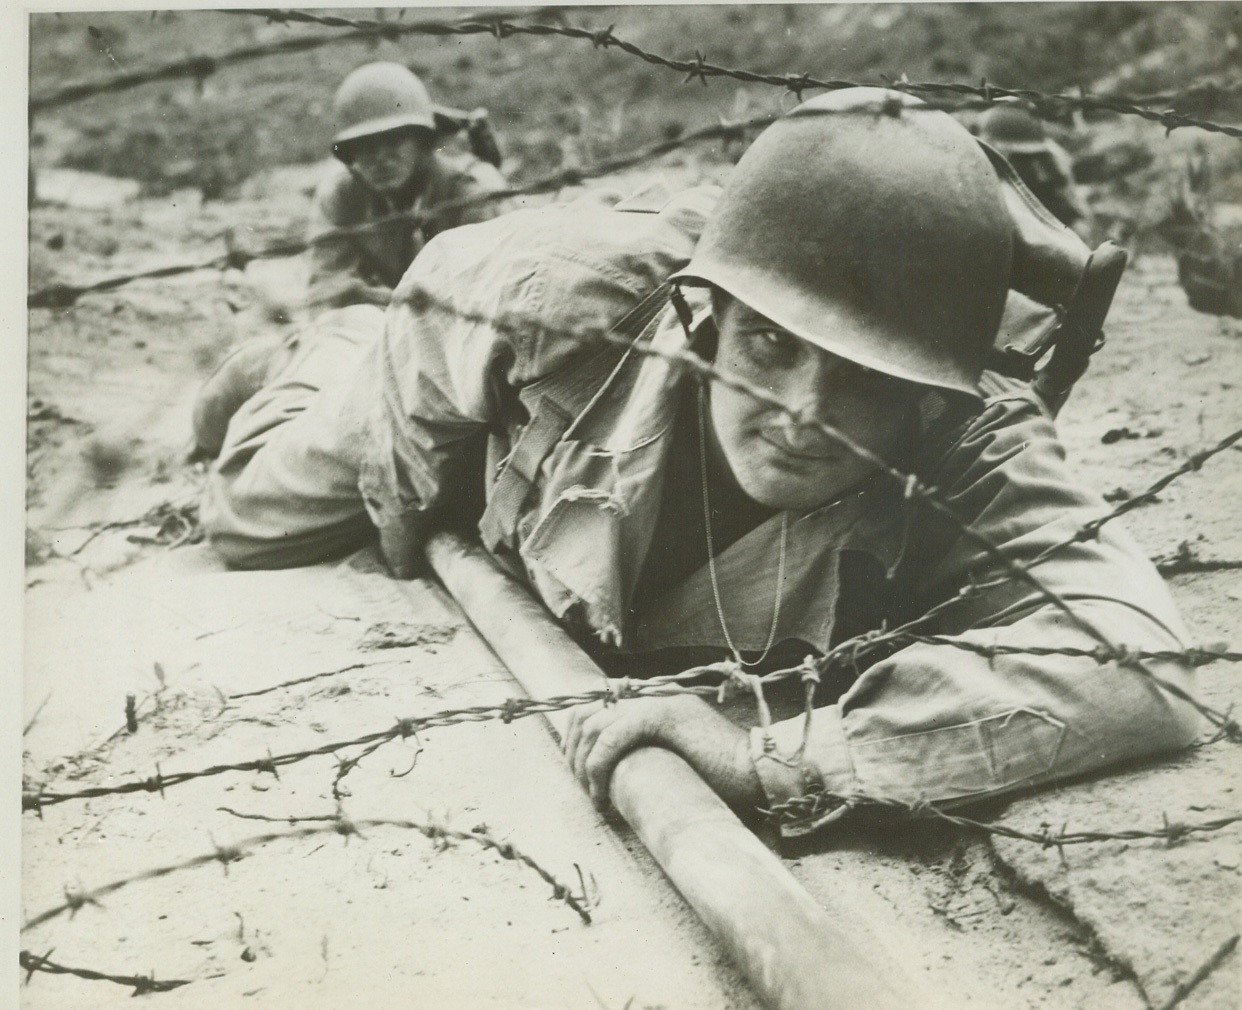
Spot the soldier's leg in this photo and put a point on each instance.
(239, 376)
(284, 491)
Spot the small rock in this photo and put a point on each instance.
(1116, 435)
(399, 634)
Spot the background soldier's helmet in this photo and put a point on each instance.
(872, 226)
(379, 97)
(1011, 129)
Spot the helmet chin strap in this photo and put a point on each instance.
(682, 307)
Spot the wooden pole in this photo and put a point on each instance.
(796, 954)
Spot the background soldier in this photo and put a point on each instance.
(390, 165)
(1044, 165)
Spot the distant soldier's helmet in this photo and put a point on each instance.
(379, 97)
(872, 226)
(1011, 129)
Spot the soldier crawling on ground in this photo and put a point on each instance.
(856, 267)
(389, 163)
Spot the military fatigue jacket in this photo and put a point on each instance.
(485, 350)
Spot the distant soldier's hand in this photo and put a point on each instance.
(599, 736)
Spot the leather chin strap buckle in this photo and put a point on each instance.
(1060, 294)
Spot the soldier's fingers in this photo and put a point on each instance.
(574, 731)
(592, 726)
(611, 744)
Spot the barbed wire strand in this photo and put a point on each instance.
(518, 708)
(142, 984)
(337, 823)
(1192, 463)
(1086, 532)
(818, 808)
(439, 832)
(1090, 530)
(506, 711)
(981, 95)
(199, 68)
(701, 70)
(62, 295)
(905, 632)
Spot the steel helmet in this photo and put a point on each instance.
(378, 97)
(872, 226)
(1011, 129)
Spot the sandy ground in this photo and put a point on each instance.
(390, 917)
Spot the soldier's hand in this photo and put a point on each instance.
(599, 736)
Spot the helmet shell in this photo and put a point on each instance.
(378, 97)
(872, 226)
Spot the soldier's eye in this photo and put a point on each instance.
(771, 348)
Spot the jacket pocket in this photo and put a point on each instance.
(990, 755)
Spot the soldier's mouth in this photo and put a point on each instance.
(786, 452)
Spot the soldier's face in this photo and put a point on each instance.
(390, 162)
(777, 462)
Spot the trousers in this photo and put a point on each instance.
(284, 490)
